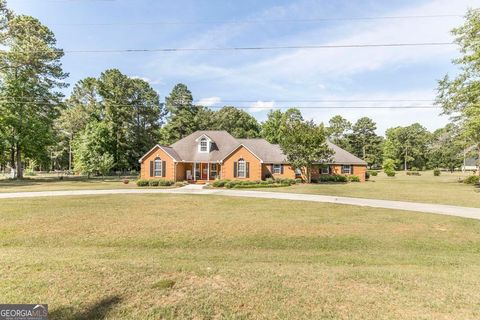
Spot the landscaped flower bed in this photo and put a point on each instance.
(240, 184)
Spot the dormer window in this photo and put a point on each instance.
(203, 145)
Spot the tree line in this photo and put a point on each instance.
(108, 122)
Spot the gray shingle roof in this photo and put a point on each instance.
(186, 149)
(341, 156)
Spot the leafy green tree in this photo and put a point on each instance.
(90, 146)
(104, 164)
(338, 130)
(182, 115)
(237, 122)
(31, 74)
(130, 107)
(205, 118)
(364, 142)
(304, 143)
(271, 127)
(407, 145)
(278, 124)
(460, 96)
(447, 148)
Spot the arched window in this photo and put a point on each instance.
(157, 167)
(203, 145)
(242, 172)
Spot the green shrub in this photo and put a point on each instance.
(413, 173)
(285, 181)
(142, 183)
(353, 178)
(373, 173)
(181, 183)
(390, 173)
(220, 183)
(249, 186)
(298, 180)
(472, 180)
(29, 173)
(332, 178)
(436, 172)
(165, 183)
(367, 175)
(153, 183)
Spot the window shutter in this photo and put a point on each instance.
(351, 169)
(163, 168)
(247, 169)
(235, 169)
(151, 168)
(271, 168)
(281, 168)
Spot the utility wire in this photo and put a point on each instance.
(255, 107)
(259, 21)
(371, 45)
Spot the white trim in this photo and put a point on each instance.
(241, 145)
(161, 148)
(244, 175)
(155, 161)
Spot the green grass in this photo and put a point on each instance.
(444, 189)
(207, 257)
(53, 183)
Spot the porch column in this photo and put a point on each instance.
(208, 171)
(194, 171)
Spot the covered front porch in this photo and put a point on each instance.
(202, 172)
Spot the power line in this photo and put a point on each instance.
(259, 21)
(259, 107)
(326, 100)
(253, 48)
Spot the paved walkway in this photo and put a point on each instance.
(465, 212)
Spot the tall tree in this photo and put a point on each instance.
(237, 122)
(31, 74)
(129, 106)
(182, 114)
(364, 142)
(447, 148)
(460, 96)
(338, 130)
(304, 143)
(271, 127)
(407, 146)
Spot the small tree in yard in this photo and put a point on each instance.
(389, 167)
(304, 144)
(104, 163)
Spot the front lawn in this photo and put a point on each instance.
(444, 189)
(208, 257)
(53, 183)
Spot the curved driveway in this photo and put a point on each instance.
(465, 212)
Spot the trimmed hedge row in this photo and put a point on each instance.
(154, 183)
(241, 184)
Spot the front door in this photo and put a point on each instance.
(204, 171)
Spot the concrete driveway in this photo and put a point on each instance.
(464, 212)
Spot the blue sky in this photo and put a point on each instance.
(266, 76)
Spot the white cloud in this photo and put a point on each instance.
(261, 106)
(208, 102)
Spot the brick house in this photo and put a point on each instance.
(208, 155)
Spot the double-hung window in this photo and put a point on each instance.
(203, 145)
(277, 169)
(241, 169)
(325, 169)
(346, 169)
(157, 167)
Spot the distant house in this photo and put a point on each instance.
(208, 155)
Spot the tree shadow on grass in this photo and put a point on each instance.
(98, 310)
